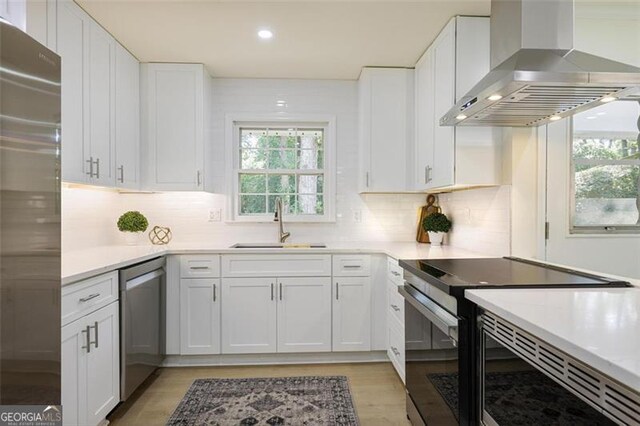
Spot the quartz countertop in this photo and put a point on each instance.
(600, 327)
(82, 264)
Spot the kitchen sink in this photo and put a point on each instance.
(277, 246)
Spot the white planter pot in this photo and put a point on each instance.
(436, 238)
(132, 238)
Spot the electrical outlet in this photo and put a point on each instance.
(357, 216)
(215, 215)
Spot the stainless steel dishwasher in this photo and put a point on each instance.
(142, 289)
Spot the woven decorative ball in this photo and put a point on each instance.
(160, 235)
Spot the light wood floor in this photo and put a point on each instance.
(378, 392)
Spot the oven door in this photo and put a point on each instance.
(431, 360)
(514, 392)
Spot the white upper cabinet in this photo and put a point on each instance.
(386, 129)
(14, 11)
(450, 157)
(127, 126)
(174, 126)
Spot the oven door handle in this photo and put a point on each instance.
(439, 317)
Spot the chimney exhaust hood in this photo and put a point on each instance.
(536, 76)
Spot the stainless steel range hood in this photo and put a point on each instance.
(536, 76)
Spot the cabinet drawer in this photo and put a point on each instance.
(346, 265)
(396, 303)
(276, 265)
(394, 271)
(200, 266)
(395, 349)
(86, 296)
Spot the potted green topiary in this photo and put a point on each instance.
(132, 224)
(436, 225)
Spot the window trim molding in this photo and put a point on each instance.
(233, 122)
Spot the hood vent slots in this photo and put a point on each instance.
(601, 392)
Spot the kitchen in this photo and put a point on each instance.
(218, 205)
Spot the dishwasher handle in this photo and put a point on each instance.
(131, 284)
(438, 316)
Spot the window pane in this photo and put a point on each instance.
(288, 203)
(282, 159)
(253, 204)
(311, 139)
(253, 184)
(253, 159)
(310, 204)
(310, 159)
(606, 165)
(310, 184)
(282, 184)
(252, 138)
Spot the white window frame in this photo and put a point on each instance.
(233, 123)
(594, 229)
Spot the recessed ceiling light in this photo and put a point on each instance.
(461, 117)
(495, 97)
(265, 34)
(607, 99)
(555, 118)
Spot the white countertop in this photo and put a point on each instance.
(81, 264)
(600, 327)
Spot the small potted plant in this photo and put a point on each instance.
(132, 224)
(436, 225)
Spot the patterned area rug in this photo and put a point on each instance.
(267, 401)
(524, 398)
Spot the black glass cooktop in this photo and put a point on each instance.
(455, 275)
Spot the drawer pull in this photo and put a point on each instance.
(396, 273)
(89, 297)
(198, 267)
(395, 351)
(351, 266)
(395, 308)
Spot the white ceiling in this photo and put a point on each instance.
(312, 39)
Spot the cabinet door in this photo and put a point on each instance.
(424, 117)
(174, 129)
(249, 315)
(352, 314)
(304, 314)
(15, 11)
(200, 316)
(74, 373)
(103, 363)
(127, 126)
(100, 90)
(444, 57)
(71, 45)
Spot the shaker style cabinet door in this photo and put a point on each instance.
(74, 368)
(424, 121)
(351, 314)
(249, 309)
(199, 316)
(304, 314)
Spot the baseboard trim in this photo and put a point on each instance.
(271, 359)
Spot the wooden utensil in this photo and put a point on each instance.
(431, 207)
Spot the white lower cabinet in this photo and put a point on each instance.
(304, 314)
(249, 315)
(352, 314)
(200, 316)
(91, 366)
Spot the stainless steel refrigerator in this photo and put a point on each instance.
(30, 136)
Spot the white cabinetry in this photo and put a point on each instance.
(200, 316)
(448, 157)
(14, 11)
(386, 129)
(351, 309)
(90, 351)
(127, 119)
(174, 125)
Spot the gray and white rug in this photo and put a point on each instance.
(312, 400)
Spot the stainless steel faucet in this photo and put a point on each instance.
(278, 218)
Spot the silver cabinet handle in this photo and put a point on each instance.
(88, 339)
(337, 290)
(397, 274)
(395, 308)
(89, 297)
(429, 170)
(426, 174)
(198, 267)
(395, 351)
(90, 172)
(271, 291)
(214, 292)
(97, 168)
(121, 178)
(352, 266)
(280, 291)
(199, 177)
(367, 179)
(95, 327)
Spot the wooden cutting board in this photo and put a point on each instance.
(431, 207)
